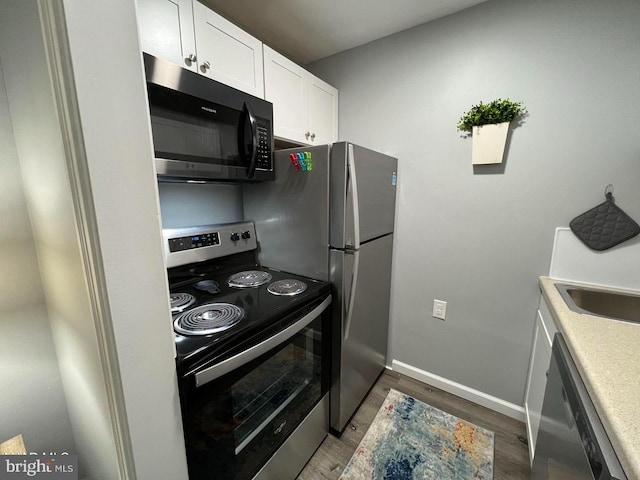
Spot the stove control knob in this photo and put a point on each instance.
(246, 234)
(235, 237)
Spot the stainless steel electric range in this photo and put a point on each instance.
(252, 358)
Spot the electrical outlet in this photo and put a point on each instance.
(439, 309)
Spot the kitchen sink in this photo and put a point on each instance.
(602, 303)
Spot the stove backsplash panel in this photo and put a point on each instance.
(187, 204)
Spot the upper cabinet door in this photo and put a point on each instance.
(285, 85)
(226, 53)
(305, 108)
(166, 31)
(323, 111)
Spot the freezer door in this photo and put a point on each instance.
(361, 323)
(291, 215)
(363, 194)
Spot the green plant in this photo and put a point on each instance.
(497, 111)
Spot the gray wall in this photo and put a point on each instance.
(30, 370)
(479, 239)
(187, 205)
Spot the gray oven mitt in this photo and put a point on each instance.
(604, 226)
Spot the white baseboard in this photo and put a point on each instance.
(494, 403)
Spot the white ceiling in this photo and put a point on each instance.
(308, 30)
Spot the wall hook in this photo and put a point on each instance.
(608, 191)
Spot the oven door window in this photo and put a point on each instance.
(235, 423)
(194, 130)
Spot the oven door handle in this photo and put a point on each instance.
(216, 371)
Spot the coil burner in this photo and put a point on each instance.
(248, 279)
(208, 318)
(181, 301)
(287, 287)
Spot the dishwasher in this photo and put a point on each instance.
(572, 443)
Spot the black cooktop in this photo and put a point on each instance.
(262, 310)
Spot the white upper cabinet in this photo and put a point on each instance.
(323, 111)
(166, 31)
(285, 85)
(187, 33)
(226, 53)
(305, 109)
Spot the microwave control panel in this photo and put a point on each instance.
(265, 155)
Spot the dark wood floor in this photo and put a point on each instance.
(511, 457)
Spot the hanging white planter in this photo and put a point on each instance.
(488, 143)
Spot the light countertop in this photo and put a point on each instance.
(607, 354)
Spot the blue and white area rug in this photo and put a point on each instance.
(410, 440)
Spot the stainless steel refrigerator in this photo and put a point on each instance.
(334, 221)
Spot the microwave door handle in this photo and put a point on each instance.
(251, 167)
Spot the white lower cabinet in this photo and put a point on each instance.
(538, 370)
(305, 108)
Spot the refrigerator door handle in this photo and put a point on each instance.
(354, 192)
(352, 296)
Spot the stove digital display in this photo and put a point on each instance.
(195, 241)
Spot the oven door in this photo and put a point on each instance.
(238, 412)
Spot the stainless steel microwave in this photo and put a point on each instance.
(205, 130)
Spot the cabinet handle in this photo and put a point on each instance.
(546, 374)
(306, 135)
(190, 59)
(205, 66)
(313, 136)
